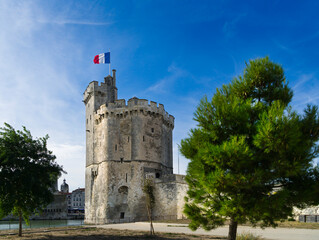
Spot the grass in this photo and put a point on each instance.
(305, 225)
(65, 233)
(285, 224)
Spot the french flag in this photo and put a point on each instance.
(102, 58)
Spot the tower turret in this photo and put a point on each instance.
(96, 95)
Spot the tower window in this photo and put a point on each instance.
(126, 177)
(122, 215)
(121, 160)
(143, 139)
(157, 175)
(152, 130)
(128, 139)
(87, 121)
(115, 147)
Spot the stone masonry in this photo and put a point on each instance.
(125, 143)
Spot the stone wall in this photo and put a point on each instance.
(169, 193)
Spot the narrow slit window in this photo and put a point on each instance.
(143, 139)
(126, 177)
(128, 139)
(121, 160)
(115, 147)
(152, 130)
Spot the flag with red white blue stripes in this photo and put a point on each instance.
(102, 58)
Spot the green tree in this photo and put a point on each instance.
(27, 172)
(251, 156)
(148, 189)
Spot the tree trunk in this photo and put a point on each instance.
(20, 224)
(149, 212)
(232, 230)
(151, 217)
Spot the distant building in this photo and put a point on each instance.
(65, 205)
(76, 201)
(57, 209)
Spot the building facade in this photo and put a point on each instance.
(77, 201)
(125, 143)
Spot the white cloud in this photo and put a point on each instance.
(180, 162)
(164, 84)
(305, 91)
(76, 22)
(229, 27)
(37, 89)
(72, 157)
(303, 79)
(283, 47)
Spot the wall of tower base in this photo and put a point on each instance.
(119, 197)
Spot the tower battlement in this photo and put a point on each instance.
(134, 106)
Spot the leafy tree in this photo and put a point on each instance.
(148, 189)
(27, 172)
(251, 154)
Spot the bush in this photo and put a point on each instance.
(248, 236)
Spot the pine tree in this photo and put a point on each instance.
(251, 156)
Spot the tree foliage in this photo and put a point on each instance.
(251, 154)
(27, 172)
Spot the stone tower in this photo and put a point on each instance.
(126, 142)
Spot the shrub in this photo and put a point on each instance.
(248, 236)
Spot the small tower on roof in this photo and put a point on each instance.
(64, 187)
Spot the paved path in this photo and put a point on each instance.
(268, 233)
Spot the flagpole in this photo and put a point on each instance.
(110, 62)
(178, 158)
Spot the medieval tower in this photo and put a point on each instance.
(125, 143)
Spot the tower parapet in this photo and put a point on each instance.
(133, 107)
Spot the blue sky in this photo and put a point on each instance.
(171, 52)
